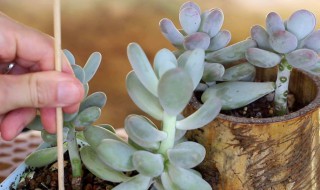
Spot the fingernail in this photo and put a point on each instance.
(68, 93)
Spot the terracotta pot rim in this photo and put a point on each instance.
(311, 107)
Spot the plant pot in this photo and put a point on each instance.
(268, 153)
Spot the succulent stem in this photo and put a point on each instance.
(169, 127)
(74, 157)
(282, 85)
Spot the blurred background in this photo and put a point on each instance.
(109, 26)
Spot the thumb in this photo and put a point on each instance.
(40, 89)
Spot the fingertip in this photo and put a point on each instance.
(48, 119)
(71, 109)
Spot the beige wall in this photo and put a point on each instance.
(108, 26)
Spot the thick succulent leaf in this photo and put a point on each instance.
(139, 181)
(142, 130)
(302, 58)
(147, 163)
(190, 19)
(52, 138)
(97, 99)
(187, 154)
(87, 117)
(274, 23)
(78, 72)
(183, 58)
(98, 168)
(69, 56)
(175, 90)
(212, 22)
(262, 58)
(157, 185)
(43, 157)
(197, 40)
(238, 94)
(187, 180)
(283, 41)
(219, 41)
(260, 35)
(315, 69)
(190, 4)
(171, 32)
(231, 53)
(116, 154)
(167, 182)
(108, 127)
(163, 61)
(92, 65)
(301, 23)
(142, 97)
(86, 89)
(312, 41)
(212, 72)
(240, 72)
(95, 134)
(36, 124)
(194, 66)
(205, 114)
(142, 68)
(151, 147)
(69, 117)
(179, 134)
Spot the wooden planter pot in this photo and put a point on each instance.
(268, 153)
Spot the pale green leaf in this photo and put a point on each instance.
(301, 23)
(36, 124)
(116, 154)
(262, 58)
(78, 72)
(142, 97)
(95, 134)
(302, 58)
(189, 19)
(163, 61)
(141, 66)
(171, 32)
(92, 65)
(87, 117)
(138, 182)
(98, 168)
(69, 56)
(213, 72)
(240, 72)
(167, 182)
(97, 99)
(175, 90)
(147, 163)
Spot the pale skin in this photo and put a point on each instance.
(32, 84)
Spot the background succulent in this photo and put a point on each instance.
(74, 124)
(287, 44)
(162, 159)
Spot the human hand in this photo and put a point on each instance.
(32, 83)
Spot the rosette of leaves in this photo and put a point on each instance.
(203, 31)
(74, 124)
(161, 159)
(293, 43)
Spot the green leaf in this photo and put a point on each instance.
(69, 117)
(219, 41)
(43, 157)
(312, 41)
(212, 72)
(262, 58)
(98, 168)
(260, 35)
(302, 58)
(194, 66)
(147, 163)
(171, 32)
(283, 42)
(187, 180)
(315, 69)
(97, 99)
(92, 65)
(212, 22)
(79, 72)
(175, 90)
(190, 4)
(86, 89)
(240, 72)
(187, 154)
(142, 130)
(231, 53)
(36, 124)
(190, 19)
(116, 154)
(69, 56)
(301, 23)
(163, 61)
(238, 94)
(108, 127)
(167, 182)
(95, 134)
(205, 114)
(142, 68)
(198, 40)
(151, 147)
(87, 117)
(142, 97)
(139, 181)
(179, 134)
(274, 23)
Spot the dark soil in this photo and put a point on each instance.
(46, 178)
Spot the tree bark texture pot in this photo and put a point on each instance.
(269, 153)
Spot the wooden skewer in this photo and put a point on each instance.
(58, 65)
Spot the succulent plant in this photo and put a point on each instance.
(287, 44)
(74, 124)
(161, 159)
(203, 31)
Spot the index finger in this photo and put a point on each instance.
(27, 47)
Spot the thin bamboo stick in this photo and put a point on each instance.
(58, 65)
